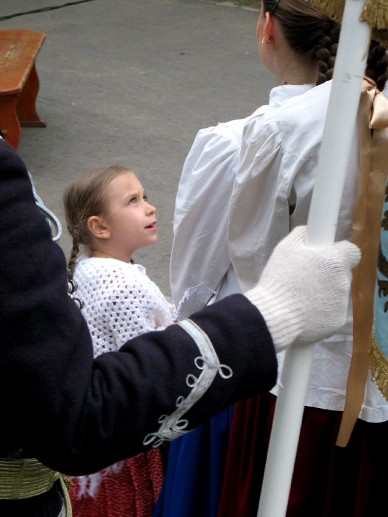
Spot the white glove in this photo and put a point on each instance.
(303, 292)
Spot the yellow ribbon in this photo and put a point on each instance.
(373, 119)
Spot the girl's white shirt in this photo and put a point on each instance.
(233, 206)
(121, 302)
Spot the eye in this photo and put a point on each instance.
(145, 197)
(133, 200)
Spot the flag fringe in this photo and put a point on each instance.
(332, 8)
(374, 12)
(378, 365)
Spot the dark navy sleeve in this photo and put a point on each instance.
(77, 414)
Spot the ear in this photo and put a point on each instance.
(97, 227)
(268, 27)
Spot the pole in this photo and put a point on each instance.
(321, 227)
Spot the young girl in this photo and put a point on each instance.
(245, 184)
(108, 212)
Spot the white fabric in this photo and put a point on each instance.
(121, 302)
(233, 205)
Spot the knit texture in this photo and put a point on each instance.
(308, 301)
(120, 302)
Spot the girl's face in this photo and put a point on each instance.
(129, 217)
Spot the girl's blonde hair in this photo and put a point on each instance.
(83, 198)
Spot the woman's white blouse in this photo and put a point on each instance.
(245, 184)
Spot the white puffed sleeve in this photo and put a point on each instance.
(200, 251)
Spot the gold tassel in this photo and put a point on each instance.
(332, 8)
(374, 12)
(378, 365)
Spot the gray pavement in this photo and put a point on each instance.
(131, 82)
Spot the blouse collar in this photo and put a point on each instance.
(284, 92)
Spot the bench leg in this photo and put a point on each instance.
(26, 106)
(9, 121)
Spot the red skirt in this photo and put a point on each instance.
(328, 481)
(129, 488)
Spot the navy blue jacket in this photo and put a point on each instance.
(76, 414)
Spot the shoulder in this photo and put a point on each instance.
(304, 109)
(224, 136)
(290, 120)
(211, 164)
(108, 274)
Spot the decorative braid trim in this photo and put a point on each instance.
(378, 365)
(22, 478)
(173, 426)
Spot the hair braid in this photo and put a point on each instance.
(377, 64)
(309, 32)
(71, 285)
(325, 54)
(73, 254)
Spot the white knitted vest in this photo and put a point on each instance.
(120, 302)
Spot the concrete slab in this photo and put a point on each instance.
(131, 82)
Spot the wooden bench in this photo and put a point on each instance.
(19, 82)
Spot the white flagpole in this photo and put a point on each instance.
(321, 227)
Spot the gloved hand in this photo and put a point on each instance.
(303, 292)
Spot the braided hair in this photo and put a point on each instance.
(311, 33)
(83, 198)
(377, 64)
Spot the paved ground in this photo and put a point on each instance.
(131, 82)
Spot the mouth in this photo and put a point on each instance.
(152, 226)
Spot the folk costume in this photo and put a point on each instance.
(75, 414)
(120, 302)
(245, 184)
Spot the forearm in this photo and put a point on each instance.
(92, 413)
(129, 391)
(84, 414)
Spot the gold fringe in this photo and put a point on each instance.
(378, 365)
(332, 8)
(375, 12)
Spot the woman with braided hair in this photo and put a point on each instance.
(262, 169)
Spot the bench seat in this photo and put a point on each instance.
(19, 82)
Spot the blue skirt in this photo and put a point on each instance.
(195, 470)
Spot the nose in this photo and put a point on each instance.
(150, 208)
